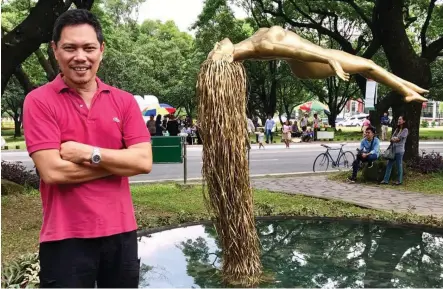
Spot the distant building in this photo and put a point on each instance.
(431, 110)
(352, 107)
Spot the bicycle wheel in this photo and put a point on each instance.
(321, 163)
(345, 160)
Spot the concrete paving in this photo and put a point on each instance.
(377, 197)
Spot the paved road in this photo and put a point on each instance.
(275, 159)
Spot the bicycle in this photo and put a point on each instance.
(344, 159)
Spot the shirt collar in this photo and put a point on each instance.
(59, 84)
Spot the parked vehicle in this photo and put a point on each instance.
(355, 120)
(339, 121)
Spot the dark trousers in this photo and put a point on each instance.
(269, 135)
(79, 263)
(315, 133)
(358, 161)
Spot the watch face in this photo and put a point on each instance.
(95, 158)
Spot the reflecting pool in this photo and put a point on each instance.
(301, 253)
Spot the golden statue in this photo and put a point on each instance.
(310, 61)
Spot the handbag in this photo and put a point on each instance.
(389, 154)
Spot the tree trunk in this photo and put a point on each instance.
(279, 117)
(404, 63)
(288, 113)
(17, 126)
(52, 60)
(188, 111)
(333, 107)
(331, 119)
(46, 64)
(27, 37)
(273, 89)
(36, 29)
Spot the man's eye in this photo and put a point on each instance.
(69, 48)
(89, 49)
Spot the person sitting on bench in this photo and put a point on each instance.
(368, 152)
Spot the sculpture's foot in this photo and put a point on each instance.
(421, 90)
(414, 96)
(414, 87)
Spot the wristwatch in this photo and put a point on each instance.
(96, 156)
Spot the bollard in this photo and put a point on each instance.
(185, 161)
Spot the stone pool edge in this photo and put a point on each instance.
(147, 232)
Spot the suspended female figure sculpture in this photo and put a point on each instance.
(310, 61)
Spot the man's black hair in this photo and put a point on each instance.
(76, 17)
(371, 128)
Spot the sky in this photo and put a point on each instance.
(183, 12)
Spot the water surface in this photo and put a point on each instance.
(301, 253)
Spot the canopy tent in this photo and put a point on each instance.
(313, 106)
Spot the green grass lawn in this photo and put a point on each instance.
(347, 134)
(11, 142)
(355, 134)
(166, 204)
(413, 182)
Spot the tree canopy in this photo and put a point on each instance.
(403, 36)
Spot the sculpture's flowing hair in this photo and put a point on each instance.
(221, 88)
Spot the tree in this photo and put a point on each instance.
(216, 22)
(122, 11)
(262, 86)
(334, 93)
(25, 39)
(374, 24)
(12, 103)
(152, 58)
(436, 91)
(290, 92)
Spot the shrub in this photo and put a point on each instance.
(433, 124)
(21, 273)
(424, 123)
(11, 188)
(427, 163)
(377, 172)
(16, 172)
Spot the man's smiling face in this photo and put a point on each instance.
(78, 53)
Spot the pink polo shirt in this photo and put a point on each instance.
(53, 114)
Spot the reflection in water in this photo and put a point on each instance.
(301, 253)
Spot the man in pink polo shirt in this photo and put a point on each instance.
(86, 138)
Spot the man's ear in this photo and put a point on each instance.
(102, 50)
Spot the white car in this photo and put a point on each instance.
(355, 120)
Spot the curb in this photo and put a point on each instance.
(274, 145)
(146, 232)
(257, 176)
